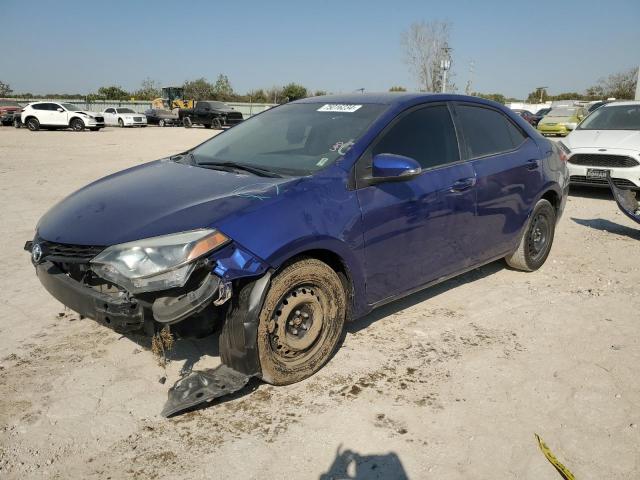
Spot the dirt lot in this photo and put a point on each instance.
(452, 382)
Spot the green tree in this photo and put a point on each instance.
(496, 97)
(112, 92)
(198, 89)
(320, 93)
(222, 89)
(397, 88)
(258, 96)
(5, 89)
(149, 90)
(292, 92)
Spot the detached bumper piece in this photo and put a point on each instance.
(120, 314)
(626, 200)
(203, 387)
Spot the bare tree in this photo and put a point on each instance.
(425, 46)
(5, 89)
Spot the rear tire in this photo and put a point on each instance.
(186, 121)
(77, 125)
(301, 321)
(537, 239)
(161, 123)
(33, 124)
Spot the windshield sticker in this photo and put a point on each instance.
(339, 107)
(341, 147)
(322, 161)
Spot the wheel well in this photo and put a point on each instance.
(26, 119)
(75, 118)
(336, 263)
(553, 198)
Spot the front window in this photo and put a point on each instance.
(71, 107)
(619, 117)
(124, 110)
(294, 139)
(563, 112)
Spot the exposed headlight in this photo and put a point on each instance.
(156, 263)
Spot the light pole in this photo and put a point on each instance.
(542, 89)
(445, 65)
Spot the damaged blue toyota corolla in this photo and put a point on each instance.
(301, 218)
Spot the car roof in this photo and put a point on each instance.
(391, 98)
(626, 103)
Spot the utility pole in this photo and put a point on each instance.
(468, 89)
(445, 65)
(542, 89)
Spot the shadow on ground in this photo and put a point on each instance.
(598, 193)
(608, 226)
(350, 465)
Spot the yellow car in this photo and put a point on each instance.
(561, 120)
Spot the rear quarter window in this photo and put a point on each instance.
(487, 131)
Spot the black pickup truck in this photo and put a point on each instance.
(210, 114)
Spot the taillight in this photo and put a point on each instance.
(564, 151)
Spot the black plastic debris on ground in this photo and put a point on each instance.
(626, 200)
(202, 387)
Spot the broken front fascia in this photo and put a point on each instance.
(626, 200)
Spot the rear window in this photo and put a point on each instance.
(488, 132)
(9, 103)
(124, 110)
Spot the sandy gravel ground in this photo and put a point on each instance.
(452, 382)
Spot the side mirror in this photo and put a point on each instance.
(60, 109)
(390, 167)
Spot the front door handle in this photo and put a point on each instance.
(532, 164)
(463, 184)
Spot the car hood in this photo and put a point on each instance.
(156, 198)
(549, 119)
(614, 139)
(88, 112)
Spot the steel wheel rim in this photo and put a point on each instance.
(539, 235)
(296, 327)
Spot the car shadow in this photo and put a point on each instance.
(608, 226)
(424, 295)
(350, 465)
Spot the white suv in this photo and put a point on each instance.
(124, 117)
(52, 115)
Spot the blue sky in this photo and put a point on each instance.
(339, 46)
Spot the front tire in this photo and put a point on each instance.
(33, 124)
(161, 123)
(301, 321)
(77, 125)
(537, 240)
(186, 121)
(17, 123)
(120, 123)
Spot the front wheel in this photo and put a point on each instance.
(120, 123)
(77, 125)
(17, 123)
(186, 121)
(536, 242)
(161, 123)
(301, 321)
(33, 124)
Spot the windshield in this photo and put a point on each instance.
(71, 107)
(124, 110)
(294, 139)
(562, 112)
(619, 117)
(9, 103)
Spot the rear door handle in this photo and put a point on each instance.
(532, 164)
(463, 184)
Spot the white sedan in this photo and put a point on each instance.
(608, 140)
(124, 117)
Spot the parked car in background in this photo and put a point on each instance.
(528, 116)
(8, 108)
(542, 112)
(302, 218)
(124, 117)
(52, 116)
(606, 142)
(561, 120)
(162, 118)
(210, 114)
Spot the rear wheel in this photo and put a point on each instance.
(77, 125)
(33, 124)
(186, 121)
(536, 242)
(301, 321)
(161, 123)
(217, 124)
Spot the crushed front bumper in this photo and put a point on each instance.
(125, 313)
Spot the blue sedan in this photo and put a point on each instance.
(306, 216)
